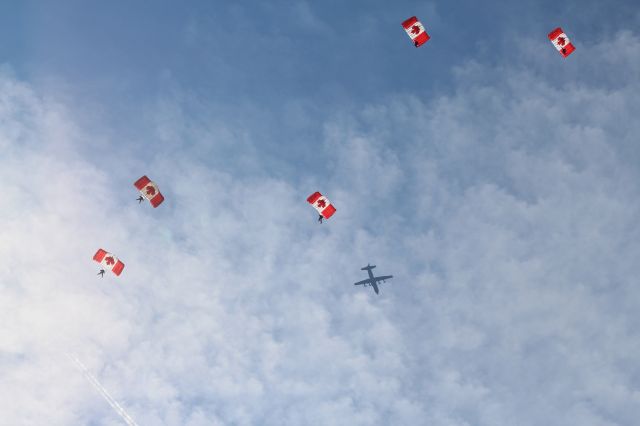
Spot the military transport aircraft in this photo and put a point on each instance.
(372, 281)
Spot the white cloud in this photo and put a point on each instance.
(505, 212)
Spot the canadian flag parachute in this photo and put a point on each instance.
(321, 204)
(149, 190)
(416, 31)
(109, 261)
(561, 42)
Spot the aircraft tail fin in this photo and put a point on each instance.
(368, 267)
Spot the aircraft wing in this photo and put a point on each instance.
(362, 282)
(382, 278)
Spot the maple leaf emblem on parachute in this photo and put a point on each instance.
(150, 190)
(415, 29)
(561, 41)
(109, 260)
(321, 203)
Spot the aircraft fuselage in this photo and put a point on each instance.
(372, 281)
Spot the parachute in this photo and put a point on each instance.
(149, 190)
(561, 42)
(321, 204)
(416, 31)
(109, 261)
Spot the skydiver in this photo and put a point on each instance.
(101, 273)
(139, 199)
(320, 218)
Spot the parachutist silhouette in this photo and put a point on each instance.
(139, 199)
(101, 273)
(320, 218)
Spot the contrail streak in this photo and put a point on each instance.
(96, 384)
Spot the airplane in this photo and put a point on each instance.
(372, 281)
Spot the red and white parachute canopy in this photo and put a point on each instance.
(321, 204)
(109, 261)
(416, 31)
(149, 190)
(561, 42)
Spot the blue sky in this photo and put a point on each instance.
(497, 182)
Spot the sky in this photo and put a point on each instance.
(498, 182)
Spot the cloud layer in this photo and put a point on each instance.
(506, 210)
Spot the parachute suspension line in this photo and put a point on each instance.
(96, 384)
